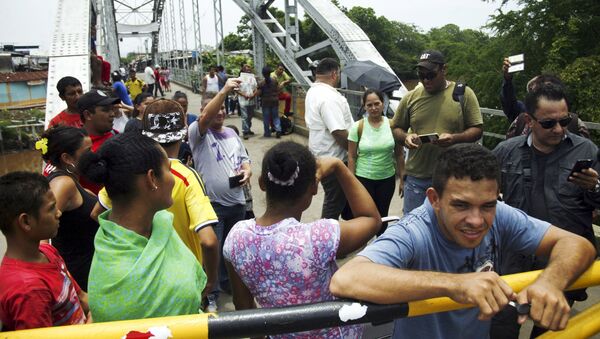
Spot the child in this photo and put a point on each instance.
(281, 261)
(36, 290)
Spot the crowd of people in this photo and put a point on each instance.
(143, 209)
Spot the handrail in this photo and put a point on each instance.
(583, 325)
(270, 321)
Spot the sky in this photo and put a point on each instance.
(32, 21)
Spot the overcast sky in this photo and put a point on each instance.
(32, 21)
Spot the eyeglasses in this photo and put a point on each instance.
(548, 124)
(427, 76)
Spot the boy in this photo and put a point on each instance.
(36, 290)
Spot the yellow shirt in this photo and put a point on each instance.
(134, 87)
(191, 207)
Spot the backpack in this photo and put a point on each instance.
(287, 127)
(458, 95)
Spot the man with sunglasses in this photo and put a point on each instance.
(537, 178)
(430, 108)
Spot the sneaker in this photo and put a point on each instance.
(278, 135)
(212, 303)
(245, 136)
(250, 132)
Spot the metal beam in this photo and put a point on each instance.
(197, 37)
(220, 48)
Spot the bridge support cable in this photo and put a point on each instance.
(173, 52)
(69, 50)
(183, 32)
(220, 47)
(272, 321)
(199, 66)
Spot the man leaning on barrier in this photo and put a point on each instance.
(452, 246)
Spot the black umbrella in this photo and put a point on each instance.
(371, 75)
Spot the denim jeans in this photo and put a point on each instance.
(268, 114)
(247, 112)
(228, 216)
(414, 192)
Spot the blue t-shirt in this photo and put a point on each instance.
(416, 243)
(121, 92)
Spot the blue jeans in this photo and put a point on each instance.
(268, 114)
(228, 216)
(414, 192)
(247, 112)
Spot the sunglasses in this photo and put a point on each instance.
(427, 76)
(548, 124)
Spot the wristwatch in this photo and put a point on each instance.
(596, 188)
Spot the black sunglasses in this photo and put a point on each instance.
(427, 76)
(548, 124)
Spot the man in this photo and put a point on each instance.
(134, 85)
(69, 90)
(157, 79)
(221, 159)
(97, 113)
(430, 108)
(283, 80)
(328, 119)
(150, 79)
(210, 82)
(453, 245)
(536, 174)
(247, 93)
(515, 110)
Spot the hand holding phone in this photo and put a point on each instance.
(426, 138)
(234, 181)
(580, 165)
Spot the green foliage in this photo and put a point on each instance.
(584, 86)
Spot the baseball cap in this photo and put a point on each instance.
(95, 97)
(164, 121)
(430, 59)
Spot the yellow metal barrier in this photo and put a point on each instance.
(264, 320)
(583, 325)
(186, 326)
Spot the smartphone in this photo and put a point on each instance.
(517, 63)
(235, 180)
(425, 138)
(580, 165)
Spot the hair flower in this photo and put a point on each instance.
(42, 145)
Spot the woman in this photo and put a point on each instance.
(61, 147)
(268, 91)
(281, 261)
(372, 153)
(137, 268)
(139, 105)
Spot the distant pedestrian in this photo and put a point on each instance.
(268, 91)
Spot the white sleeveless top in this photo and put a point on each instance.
(212, 84)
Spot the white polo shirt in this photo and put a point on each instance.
(325, 111)
(149, 74)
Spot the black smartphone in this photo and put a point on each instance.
(580, 165)
(235, 180)
(425, 138)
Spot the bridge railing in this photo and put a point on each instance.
(272, 321)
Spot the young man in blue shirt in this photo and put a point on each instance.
(453, 245)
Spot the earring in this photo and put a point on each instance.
(154, 188)
(69, 170)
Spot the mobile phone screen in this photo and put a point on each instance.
(580, 165)
(425, 138)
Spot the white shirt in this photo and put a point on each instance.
(212, 84)
(247, 87)
(149, 73)
(326, 110)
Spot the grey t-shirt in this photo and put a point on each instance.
(218, 156)
(416, 243)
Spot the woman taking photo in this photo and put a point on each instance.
(61, 147)
(372, 153)
(281, 261)
(141, 268)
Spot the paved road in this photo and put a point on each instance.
(258, 145)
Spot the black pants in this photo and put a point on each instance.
(382, 192)
(150, 89)
(158, 88)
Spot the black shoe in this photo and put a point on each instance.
(245, 136)
(250, 132)
(278, 135)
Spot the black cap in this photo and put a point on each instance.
(94, 98)
(430, 59)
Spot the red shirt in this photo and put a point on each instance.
(34, 295)
(67, 119)
(97, 141)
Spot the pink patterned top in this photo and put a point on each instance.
(288, 263)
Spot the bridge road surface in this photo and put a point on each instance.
(257, 146)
